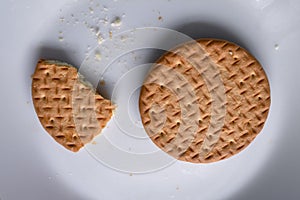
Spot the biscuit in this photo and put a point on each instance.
(67, 106)
(204, 101)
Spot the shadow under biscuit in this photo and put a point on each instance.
(202, 29)
(49, 52)
(54, 53)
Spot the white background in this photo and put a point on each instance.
(33, 166)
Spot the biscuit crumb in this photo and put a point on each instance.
(116, 22)
(91, 10)
(97, 55)
(99, 39)
(102, 82)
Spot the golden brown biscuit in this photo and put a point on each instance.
(67, 106)
(205, 101)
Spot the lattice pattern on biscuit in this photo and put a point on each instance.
(68, 109)
(247, 99)
(187, 118)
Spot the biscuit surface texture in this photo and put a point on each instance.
(205, 101)
(67, 106)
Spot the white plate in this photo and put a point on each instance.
(34, 166)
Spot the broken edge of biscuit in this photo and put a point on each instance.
(67, 105)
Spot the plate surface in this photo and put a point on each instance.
(96, 36)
